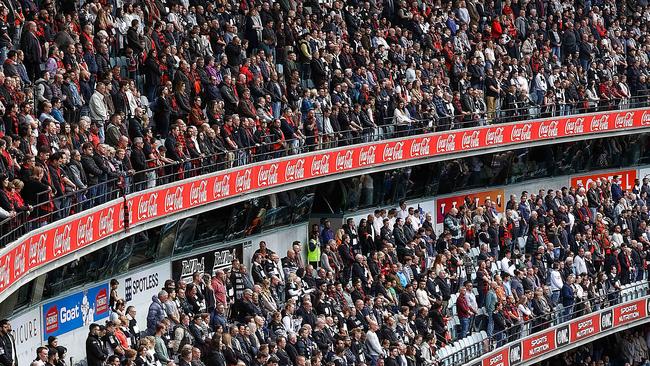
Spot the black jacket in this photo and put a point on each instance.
(8, 347)
(133, 40)
(95, 352)
(93, 172)
(30, 45)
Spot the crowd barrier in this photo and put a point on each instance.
(63, 238)
(633, 309)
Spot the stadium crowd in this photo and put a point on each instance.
(100, 95)
(388, 291)
(96, 96)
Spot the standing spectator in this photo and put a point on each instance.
(9, 356)
(96, 353)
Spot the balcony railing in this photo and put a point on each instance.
(477, 345)
(122, 207)
(55, 208)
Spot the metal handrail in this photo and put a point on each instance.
(14, 227)
(462, 357)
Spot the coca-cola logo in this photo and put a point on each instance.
(421, 147)
(62, 240)
(19, 265)
(393, 152)
(85, 231)
(494, 136)
(470, 140)
(38, 250)
(295, 170)
(624, 120)
(367, 155)
(221, 187)
(343, 160)
(268, 175)
(320, 165)
(243, 180)
(5, 270)
(574, 127)
(106, 222)
(129, 209)
(148, 206)
(120, 214)
(199, 193)
(599, 123)
(645, 118)
(446, 144)
(521, 132)
(174, 199)
(548, 129)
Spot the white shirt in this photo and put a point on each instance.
(579, 265)
(415, 222)
(402, 214)
(504, 266)
(617, 238)
(377, 224)
(471, 300)
(422, 297)
(556, 281)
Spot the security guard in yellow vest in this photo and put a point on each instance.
(313, 250)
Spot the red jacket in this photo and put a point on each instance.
(462, 307)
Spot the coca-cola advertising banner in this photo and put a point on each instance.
(59, 239)
(558, 337)
(443, 205)
(626, 177)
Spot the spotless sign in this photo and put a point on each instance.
(75, 311)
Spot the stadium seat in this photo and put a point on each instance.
(476, 344)
(457, 350)
(443, 353)
(447, 352)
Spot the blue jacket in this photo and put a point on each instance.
(617, 192)
(566, 293)
(156, 315)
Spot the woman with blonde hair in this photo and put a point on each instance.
(150, 355)
(266, 300)
(227, 350)
(339, 236)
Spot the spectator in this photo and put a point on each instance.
(96, 353)
(9, 355)
(156, 311)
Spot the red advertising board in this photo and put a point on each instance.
(59, 239)
(443, 205)
(538, 345)
(585, 327)
(630, 312)
(499, 358)
(627, 179)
